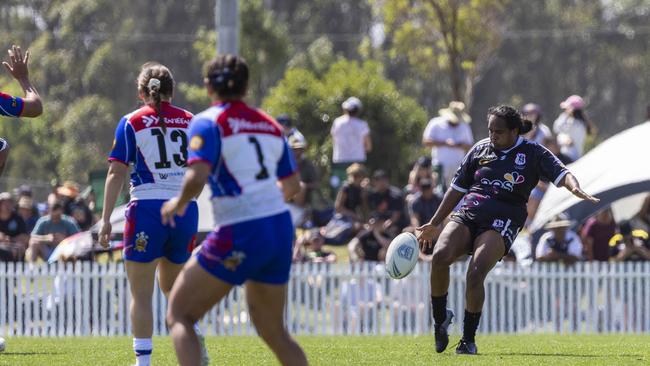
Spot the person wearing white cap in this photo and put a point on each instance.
(572, 127)
(449, 137)
(350, 139)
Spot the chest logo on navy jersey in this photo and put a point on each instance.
(498, 224)
(509, 182)
(520, 159)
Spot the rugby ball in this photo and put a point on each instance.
(402, 255)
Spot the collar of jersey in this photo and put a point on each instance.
(519, 141)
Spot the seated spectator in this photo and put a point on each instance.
(387, 200)
(28, 212)
(424, 204)
(372, 242)
(629, 245)
(311, 244)
(559, 243)
(642, 218)
(13, 233)
(352, 199)
(82, 215)
(49, 231)
(595, 235)
(421, 170)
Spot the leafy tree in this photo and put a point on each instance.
(395, 121)
(458, 37)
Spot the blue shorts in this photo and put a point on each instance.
(146, 238)
(258, 250)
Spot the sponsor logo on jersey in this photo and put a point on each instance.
(196, 142)
(520, 159)
(163, 176)
(233, 260)
(487, 159)
(14, 102)
(141, 240)
(509, 182)
(238, 124)
(149, 120)
(498, 224)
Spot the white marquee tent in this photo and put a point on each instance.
(617, 171)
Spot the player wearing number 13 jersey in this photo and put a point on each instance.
(243, 154)
(153, 140)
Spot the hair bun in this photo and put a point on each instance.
(154, 84)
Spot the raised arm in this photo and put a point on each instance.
(17, 67)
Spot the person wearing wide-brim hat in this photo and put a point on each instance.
(449, 136)
(559, 243)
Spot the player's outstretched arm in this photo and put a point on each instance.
(17, 67)
(571, 183)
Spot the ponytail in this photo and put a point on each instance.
(156, 82)
(154, 92)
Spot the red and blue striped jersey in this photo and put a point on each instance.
(247, 153)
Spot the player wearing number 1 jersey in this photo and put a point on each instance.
(243, 153)
(153, 140)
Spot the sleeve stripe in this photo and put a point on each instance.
(199, 160)
(111, 159)
(559, 177)
(459, 189)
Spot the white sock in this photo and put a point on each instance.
(142, 348)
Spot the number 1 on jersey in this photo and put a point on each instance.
(263, 173)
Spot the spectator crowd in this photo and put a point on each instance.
(31, 230)
(369, 209)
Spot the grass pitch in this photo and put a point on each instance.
(338, 350)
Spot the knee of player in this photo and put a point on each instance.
(476, 276)
(442, 258)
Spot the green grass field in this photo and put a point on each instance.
(395, 350)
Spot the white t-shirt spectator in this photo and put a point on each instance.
(440, 130)
(576, 130)
(348, 134)
(547, 243)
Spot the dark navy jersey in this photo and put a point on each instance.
(507, 176)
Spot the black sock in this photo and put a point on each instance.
(470, 324)
(439, 309)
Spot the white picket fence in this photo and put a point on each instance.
(93, 299)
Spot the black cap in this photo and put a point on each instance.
(380, 174)
(424, 161)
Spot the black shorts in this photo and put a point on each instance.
(479, 221)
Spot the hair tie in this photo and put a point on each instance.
(221, 77)
(154, 84)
